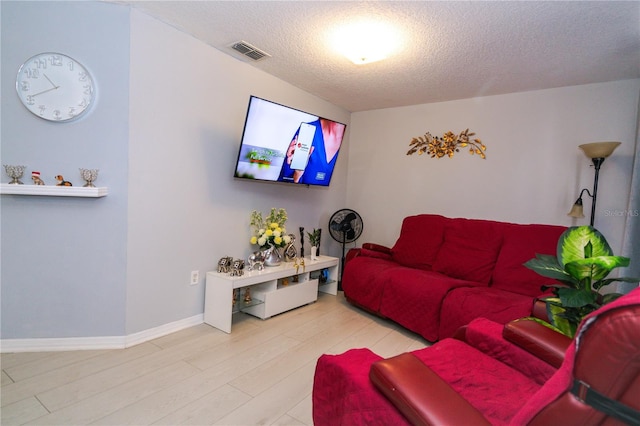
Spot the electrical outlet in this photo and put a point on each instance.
(195, 277)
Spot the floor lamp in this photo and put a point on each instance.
(597, 151)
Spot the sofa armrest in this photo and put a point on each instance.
(369, 250)
(377, 247)
(535, 338)
(420, 394)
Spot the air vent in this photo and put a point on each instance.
(249, 51)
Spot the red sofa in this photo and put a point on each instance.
(443, 272)
(515, 374)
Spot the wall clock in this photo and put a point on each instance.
(55, 87)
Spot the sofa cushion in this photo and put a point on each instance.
(462, 305)
(521, 243)
(413, 298)
(470, 249)
(363, 281)
(419, 241)
(490, 386)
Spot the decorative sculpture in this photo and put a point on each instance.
(224, 264)
(256, 261)
(448, 144)
(62, 182)
(290, 252)
(15, 173)
(237, 268)
(35, 177)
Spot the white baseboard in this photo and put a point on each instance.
(96, 343)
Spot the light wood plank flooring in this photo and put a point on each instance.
(260, 374)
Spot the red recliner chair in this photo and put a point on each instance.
(524, 374)
(598, 382)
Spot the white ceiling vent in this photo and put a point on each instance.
(249, 51)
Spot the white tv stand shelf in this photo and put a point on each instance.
(273, 290)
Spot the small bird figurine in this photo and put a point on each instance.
(35, 177)
(62, 182)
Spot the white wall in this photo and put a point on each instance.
(533, 172)
(188, 105)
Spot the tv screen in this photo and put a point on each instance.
(283, 144)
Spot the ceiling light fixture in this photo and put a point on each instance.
(365, 42)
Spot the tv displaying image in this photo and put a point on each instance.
(283, 144)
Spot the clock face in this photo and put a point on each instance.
(55, 87)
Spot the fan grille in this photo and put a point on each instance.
(345, 226)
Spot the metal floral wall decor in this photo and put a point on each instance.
(448, 144)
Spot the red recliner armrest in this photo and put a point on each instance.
(535, 338)
(420, 394)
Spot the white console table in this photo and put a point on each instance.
(273, 290)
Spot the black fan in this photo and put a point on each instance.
(345, 226)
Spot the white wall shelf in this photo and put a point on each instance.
(53, 190)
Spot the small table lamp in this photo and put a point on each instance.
(597, 151)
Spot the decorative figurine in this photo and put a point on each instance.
(236, 294)
(89, 175)
(35, 177)
(247, 295)
(296, 278)
(256, 261)
(302, 241)
(224, 264)
(15, 173)
(62, 182)
(290, 252)
(237, 268)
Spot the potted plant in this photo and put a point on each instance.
(314, 241)
(582, 263)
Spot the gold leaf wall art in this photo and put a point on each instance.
(447, 144)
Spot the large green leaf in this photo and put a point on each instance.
(596, 268)
(580, 242)
(598, 285)
(555, 314)
(548, 266)
(576, 298)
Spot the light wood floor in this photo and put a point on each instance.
(261, 373)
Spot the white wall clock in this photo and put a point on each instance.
(55, 87)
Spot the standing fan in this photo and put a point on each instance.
(345, 226)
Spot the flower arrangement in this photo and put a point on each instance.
(269, 232)
(448, 144)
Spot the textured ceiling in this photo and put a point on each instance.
(452, 50)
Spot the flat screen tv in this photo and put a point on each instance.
(283, 144)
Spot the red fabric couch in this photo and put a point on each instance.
(443, 272)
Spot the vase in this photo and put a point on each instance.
(273, 256)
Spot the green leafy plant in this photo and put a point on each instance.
(582, 263)
(314, 237)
